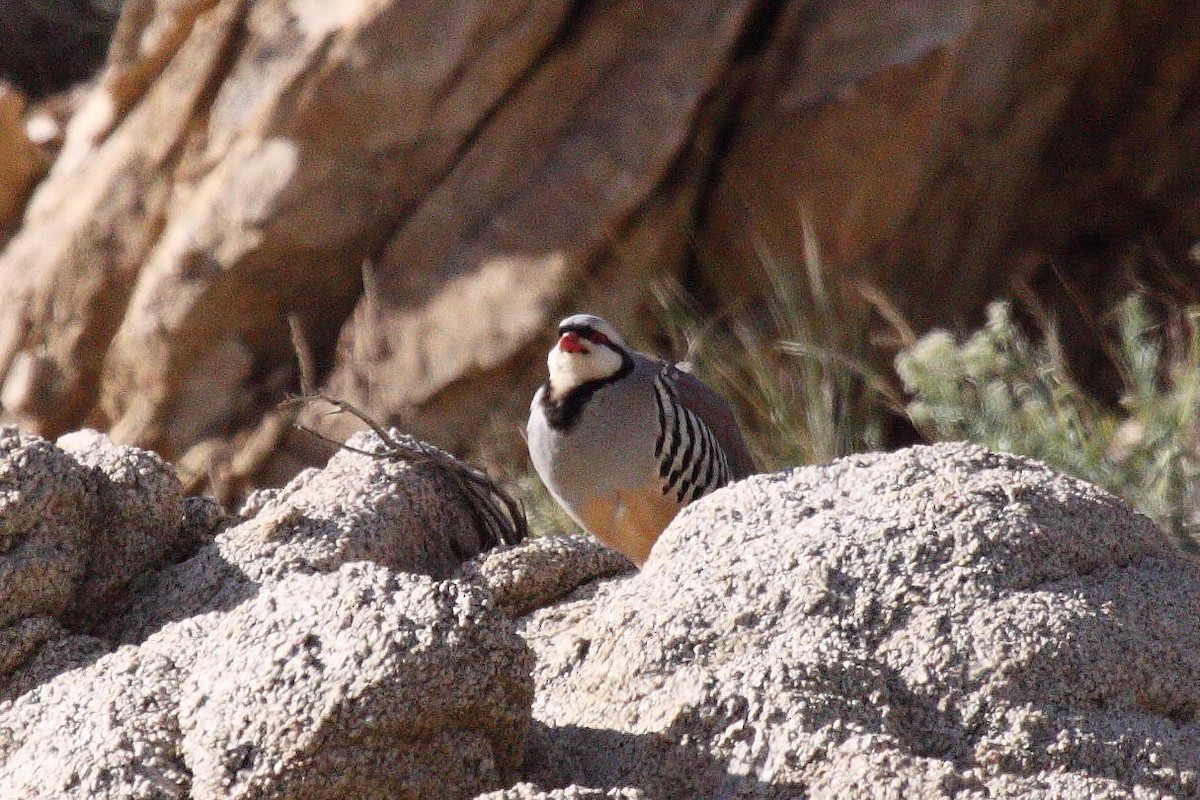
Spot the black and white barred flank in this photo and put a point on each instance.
(690, 462)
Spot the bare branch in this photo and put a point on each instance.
(304, 355)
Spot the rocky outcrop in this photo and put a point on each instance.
(542, 571)
(938, 622)
(300, 653)
(357, 508)
(79, 521)
(529, 791)
(409, 194)
(352, 683)
(941, 153)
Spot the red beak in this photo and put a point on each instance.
(571, 343)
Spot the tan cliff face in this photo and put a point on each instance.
(416, 191)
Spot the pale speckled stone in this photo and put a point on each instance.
(941, 621)
(937, 622)
(296, 655)
(137, 507)
(538, 572)
(357, 508)
(44, 525)
(359, 683)
(81, 522)
(531, 791)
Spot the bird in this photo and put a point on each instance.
(623, 440)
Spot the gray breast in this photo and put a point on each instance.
(611, 445)
(632, 431)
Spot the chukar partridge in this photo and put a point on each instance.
(623, 440)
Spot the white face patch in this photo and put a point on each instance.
(568, 370)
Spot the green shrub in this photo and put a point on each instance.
(1001, 390)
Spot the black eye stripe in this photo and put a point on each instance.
(586, 332)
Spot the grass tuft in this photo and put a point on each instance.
(800, 384)
(543, 513)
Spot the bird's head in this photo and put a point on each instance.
(588, 349)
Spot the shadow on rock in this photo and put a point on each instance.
(572, 754)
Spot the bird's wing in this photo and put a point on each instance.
(715, 412)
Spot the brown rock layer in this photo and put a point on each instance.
(20, 162)
(419, 189)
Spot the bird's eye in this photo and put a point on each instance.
(598, 337)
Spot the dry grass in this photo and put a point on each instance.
(801, 383)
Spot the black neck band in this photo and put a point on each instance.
(563, 414)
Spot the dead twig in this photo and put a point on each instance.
(498, 515)
(304, 354)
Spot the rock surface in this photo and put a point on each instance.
(540, 572)
(297, 654)
(359, 683)
(357, 508)
(21, 164)
(136, 515)
(79, 521)
(354, 683)
(410, 194)
(937, 622)
(529, 791)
